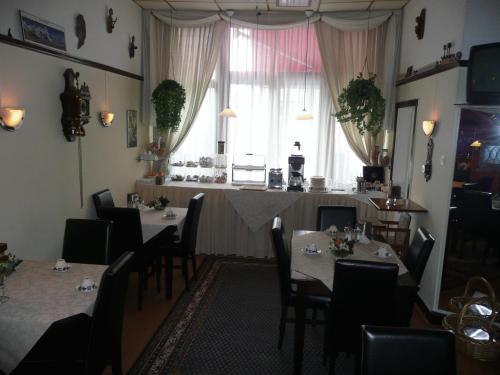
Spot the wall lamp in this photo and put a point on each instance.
(428, 127)
(107, 118)
(11, 118)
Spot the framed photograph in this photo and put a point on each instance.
(41, 32)
(131, 128)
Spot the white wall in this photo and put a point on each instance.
(38, 168)
(110, 49)
(482, 24)
(444, 23)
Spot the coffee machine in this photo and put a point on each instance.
(296, 169)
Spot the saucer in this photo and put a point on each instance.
(65, 269)
(79, 288)
(170, 217)
(388, 255)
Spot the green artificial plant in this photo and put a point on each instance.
(168, 98)
(361, 103)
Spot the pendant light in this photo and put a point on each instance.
(305, 115)
(228, 112)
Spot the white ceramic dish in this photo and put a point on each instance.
(94, 288)
(65, 269)
(309, 252)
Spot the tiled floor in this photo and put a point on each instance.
(140, 326)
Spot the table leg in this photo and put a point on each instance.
(169, 268)
(300, 317)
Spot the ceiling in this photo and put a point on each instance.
(279, 5)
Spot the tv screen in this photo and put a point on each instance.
(483, 75)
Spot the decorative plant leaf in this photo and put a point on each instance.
(361, 103)
(168, 98)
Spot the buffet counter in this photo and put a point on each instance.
(235, 221)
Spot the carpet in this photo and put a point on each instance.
(227, 323)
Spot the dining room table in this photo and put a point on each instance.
(38, 297)
(314, 273)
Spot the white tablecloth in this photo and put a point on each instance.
(39, 296)
(223, 231)
(321, 266)
(154, 221)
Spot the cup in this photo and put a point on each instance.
(382, 252)
(61, 265)
(312, 248)
(87, 284)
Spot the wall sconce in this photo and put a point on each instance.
(227, 112)
(476, 143)
(107, 118)
(428, 127)
(11, 118)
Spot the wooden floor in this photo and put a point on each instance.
(140, 326)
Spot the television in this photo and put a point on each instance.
(483, 75)
(372, 174)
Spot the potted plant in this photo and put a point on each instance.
(361, 103)
(168, 98)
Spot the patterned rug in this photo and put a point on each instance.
(228, 324)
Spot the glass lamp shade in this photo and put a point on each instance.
(227, 112)
(428, 127)
(107, 118)
(304, 115)
(11, 118)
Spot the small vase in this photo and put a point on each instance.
(374, 156)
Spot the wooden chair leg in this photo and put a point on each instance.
(140, 285)
(185, 271)
(169, 269)
(193, 263)
(284, 312)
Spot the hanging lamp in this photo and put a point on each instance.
(304, 114)
(228, 111)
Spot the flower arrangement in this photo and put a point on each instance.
(341, 247)
(159, 203)
(8, 264)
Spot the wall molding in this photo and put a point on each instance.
(429, 72)
(63, 55)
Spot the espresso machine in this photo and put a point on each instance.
(296, 169)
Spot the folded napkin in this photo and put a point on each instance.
(363, 239)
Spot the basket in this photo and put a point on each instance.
(486, 350)
(456, 304)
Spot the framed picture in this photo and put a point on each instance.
(131, 128)
(41, 32)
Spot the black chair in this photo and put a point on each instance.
(185, 248)
(363, 293)
(126, 235)
(87, 241)
(86, 345)
(288, 296)
(409, 351)
(102, 199)
(418, 253)
(340, 216)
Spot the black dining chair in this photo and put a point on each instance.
(340, 216)
(185, 248)
(81, 344)
(287, 295)
(363, 293)
(87, 241)
(409, 351)
(102, 199)
(126, 235)
(418, 253)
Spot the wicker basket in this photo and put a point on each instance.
(456, 304)
(482, 350)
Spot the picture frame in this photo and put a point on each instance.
(131, 128)
(42, 33)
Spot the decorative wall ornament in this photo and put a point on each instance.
(132, 47)
(131, 128)
(75, 101)
(420, 26)
(110, 22)
(80, 30)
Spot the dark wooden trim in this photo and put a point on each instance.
(433, 317)
(429, 72)
(62, 55)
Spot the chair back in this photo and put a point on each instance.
(87, 241)
(363, 293)
(418, 253)
(126, 233)
(409, 351)
(107, 319)
(282, 257)
(476, 209)
(190, 227)
(340, 216)
(403, 223)
(102, 199)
